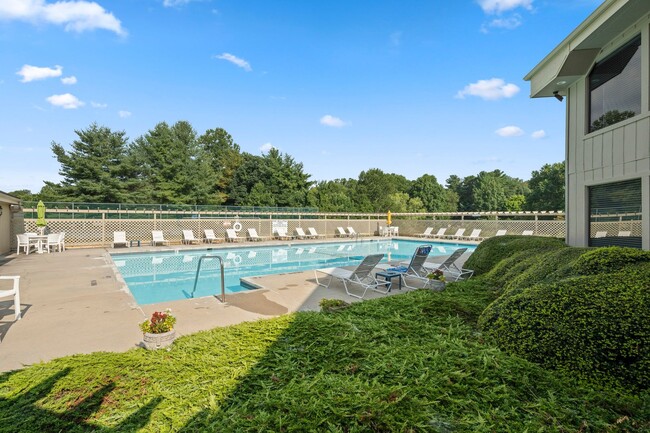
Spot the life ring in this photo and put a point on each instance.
(237, 259)
(237, 226)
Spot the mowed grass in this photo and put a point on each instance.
(408, 363)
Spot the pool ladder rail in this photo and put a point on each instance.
(198, 271)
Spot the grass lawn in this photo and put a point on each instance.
(413, 362)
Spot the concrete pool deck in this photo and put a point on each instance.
(74, 302)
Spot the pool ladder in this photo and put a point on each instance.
(198, 271)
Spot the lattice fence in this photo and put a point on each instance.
(488, 227)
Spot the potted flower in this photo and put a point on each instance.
(332, 305)
(437, 280)
(159, 330)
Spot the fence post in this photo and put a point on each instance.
(103, 228)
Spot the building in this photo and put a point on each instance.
(602, 71)
(9, 205)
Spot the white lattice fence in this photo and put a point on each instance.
(612, 228)
(488, 227)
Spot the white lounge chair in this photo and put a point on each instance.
(361, 276)
(415, 269)
(600, 234)
(527, 233)
(300, 233)
(426, 233)
(341, 233)
(458, 235)
(231, 236)
(208, 236)
(14, 291)
(253, 236)
(501, 232)
(624, 233)
(158, 238)
(474, 236)
(188, 237)
(440, 234)
(351, 232)
(281, 233)
(313, 233)
(119, 238)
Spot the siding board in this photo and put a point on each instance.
(629, 140)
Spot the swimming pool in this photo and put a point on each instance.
(169, 275)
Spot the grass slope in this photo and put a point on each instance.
(407, 363)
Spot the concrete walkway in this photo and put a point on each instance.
(74, 302)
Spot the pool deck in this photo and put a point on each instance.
(74, 302)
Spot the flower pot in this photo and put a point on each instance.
(156, 341)
(436, 285)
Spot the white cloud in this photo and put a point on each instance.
(266, 147)
(510, 131)
(509, 23)
(174, 3)
(332, 121)
(499, 6)
(538, 134)
(69, 80)
(124, 114)
(32, 73)
(98, 104)
(74, 15)
(492, 89)
(235, 61)
(67, 101)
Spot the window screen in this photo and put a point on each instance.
(615, 86)
(615, 214)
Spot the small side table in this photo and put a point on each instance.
(138, 241)
(388, 276)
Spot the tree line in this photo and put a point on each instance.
(172, 164)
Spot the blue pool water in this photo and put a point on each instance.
(169, 275)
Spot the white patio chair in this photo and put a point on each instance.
(459, 234)
(231, 236)
(426, 233)
(119, 238)
(281, 233)
(501, 232)
(253, 236)
(440, 234)
(158, 238)
(53, 242)
(527, 233)
(313, 233)
(601, 234)
(208, 236)
(300, 233)
(624, 233)
(474, 236)
(14, 291)
(24, 242)
(361, 276)
(340, 233)
(351, 232)
(188, 237)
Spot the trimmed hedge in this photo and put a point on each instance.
(609, 259)
(596, 327)
(491, 251)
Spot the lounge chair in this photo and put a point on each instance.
(14, 291)
(449, 267)
(281, 233)
(426, 233)
(352, 233)
(208, 236)
(474, 236)
(458, 235)
(624, 233)
(300, 233)
(527, 233)
(158, 238)
(341, 233)
(601, 234)
(361, 276)
(501, 232)
(415, 269)
(313, 233)
(440, 234)
(188, 237)
(253, 236)
(231, 236)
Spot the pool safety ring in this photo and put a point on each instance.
(237, 226)
(237, 259)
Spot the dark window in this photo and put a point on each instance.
(615, 214)
(615, 86)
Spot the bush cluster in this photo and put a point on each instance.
(585, 311)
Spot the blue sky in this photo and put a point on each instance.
(410, 87)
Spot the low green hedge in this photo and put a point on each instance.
(609, 259)
(491, 251)
(596, 327)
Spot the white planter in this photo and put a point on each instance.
(156, 341)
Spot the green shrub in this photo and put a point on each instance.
(596, 327)
(609, 259)
(545, 266)
(492, 251)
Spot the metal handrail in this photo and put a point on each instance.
(198, 270)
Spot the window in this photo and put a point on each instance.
(615, 87)
(615, 214)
